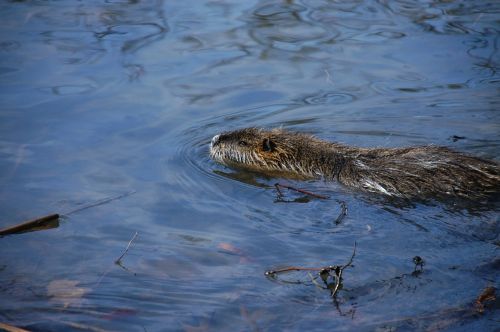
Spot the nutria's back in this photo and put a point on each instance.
(403, 172)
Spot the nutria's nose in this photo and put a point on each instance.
(215, 140)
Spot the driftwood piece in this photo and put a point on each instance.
(45, 222)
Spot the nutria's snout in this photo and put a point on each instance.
(214, 141)
(403, 172)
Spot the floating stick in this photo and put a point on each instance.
(32, 224)
(302, 191)
(119, 260)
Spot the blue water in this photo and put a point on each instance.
(100, 99)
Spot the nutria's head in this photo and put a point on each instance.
(261, 150)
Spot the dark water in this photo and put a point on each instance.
(104, 98)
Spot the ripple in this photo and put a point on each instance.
(397, 88)
(378, 133)
(121, 2)
(287, 33)
(195, 151)
(446, 104)
(70, 89)
(277, 10)
(411, 76)
(282, 27)
(7, 70)
(332, 98)
(261, 115)
(196, 170)
(134, 36)
(373, 37)
(391, 34)
(9, 46)
(447, 17)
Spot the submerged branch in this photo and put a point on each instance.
(302, 191)
(339, 271)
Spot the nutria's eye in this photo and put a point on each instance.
(242, 143)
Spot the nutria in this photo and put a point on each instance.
(407, 172)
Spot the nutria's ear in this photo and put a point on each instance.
(268, 145)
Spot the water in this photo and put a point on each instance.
(104, 98)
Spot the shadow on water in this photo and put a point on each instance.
(106, 97)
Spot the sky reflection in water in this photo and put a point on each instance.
(101, 98)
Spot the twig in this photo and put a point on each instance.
(302, 191)
(31, 224)
(294, 268)
(338, 279)
(342, 214)
(352, 257)
(328, 79)
(118, 261)
(338, 272)
(313, 280)
(100, 202)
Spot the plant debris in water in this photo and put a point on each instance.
(419, 265)
(486, 298)
(280, 195)
(119, 260)
(45, 222)
(342, 214)
(330, 275)
(280, 198)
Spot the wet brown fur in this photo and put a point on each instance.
(403, 172)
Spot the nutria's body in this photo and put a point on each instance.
(403, 172)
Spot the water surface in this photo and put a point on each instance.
(99, 99)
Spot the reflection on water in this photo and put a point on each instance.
(103, 98)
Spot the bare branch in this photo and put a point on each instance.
(119, 260)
